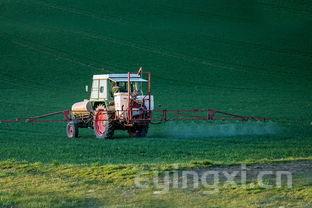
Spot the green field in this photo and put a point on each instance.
(244, 57)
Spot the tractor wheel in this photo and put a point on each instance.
(138, 131)
(72, 130)
(102, 123)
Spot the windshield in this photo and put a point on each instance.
(136, 87)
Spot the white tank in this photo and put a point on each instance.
(121, 104)
(121, 101)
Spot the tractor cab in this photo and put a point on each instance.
(105, 86)
(115, 90)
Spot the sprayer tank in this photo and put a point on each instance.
(82, 108)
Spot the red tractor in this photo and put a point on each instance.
(117, 102)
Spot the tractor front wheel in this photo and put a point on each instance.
(72, 130)
(102, 123)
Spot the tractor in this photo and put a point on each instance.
(117, 102)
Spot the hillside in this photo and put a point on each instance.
(238, 56)
(244, 57)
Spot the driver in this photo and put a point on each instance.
(115, 88)
(135, 93)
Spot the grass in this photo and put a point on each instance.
(54, 185)
(251, 58)
(48, 148)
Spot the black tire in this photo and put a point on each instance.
(72, 130)
(138, 131)
(103, 123)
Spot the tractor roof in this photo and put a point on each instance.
(120, 77)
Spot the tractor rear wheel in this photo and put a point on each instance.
(138, 131)
(72, 130)
(102, 123)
